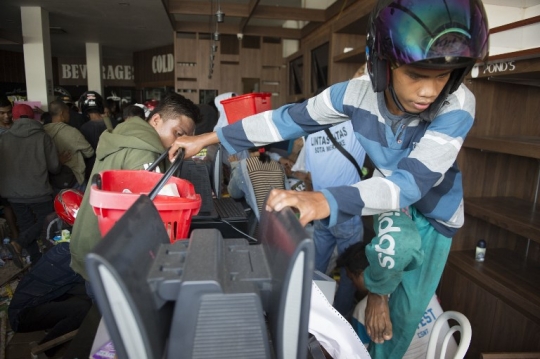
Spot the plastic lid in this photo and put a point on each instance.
(481, 243)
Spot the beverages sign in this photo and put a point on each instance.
(114, 72)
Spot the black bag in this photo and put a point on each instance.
(64, 179)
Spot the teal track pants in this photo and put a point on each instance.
(408, 269)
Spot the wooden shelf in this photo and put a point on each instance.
(357, 55)
(526, 146)
(513, 214)
(519, 67)
(357, 26)
(504, 273)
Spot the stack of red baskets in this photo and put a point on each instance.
(113, 199)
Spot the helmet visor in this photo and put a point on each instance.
(432, 33)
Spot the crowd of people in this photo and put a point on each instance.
(409, 115)
(40, 161)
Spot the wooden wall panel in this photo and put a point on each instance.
(230, 79)
(271, 73)
(193, 66)
(203, 66)
(271, 54)
(186, 70)
(184, 49)
(476, 229)
(250, 63)
(497, 174)
(341, 41)
(340, 72)
(495, 325)
(505, 109)
(513, 332)
(460, 294)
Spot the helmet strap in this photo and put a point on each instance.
(395, 98)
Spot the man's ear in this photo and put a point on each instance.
(154, 120)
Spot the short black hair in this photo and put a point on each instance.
(132, 111)
(5, 102)
(173, 105)
(56, 107)
(354, 258)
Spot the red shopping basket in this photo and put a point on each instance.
(238, 107)
(110, 201)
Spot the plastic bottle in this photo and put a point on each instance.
(480, 251)
(65, 236)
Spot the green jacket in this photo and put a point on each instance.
(133, 145)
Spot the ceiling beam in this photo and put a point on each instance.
(204, 8)
(231, 29)
(186, 26)
(251, 8)
(337, 9)
(241, 10)
(269, 31)
(289, 13)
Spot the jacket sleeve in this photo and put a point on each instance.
(140, 160)
(81, 144)
(51, 155)
(394, 250)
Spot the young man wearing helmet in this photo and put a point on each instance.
(132, 145)
(411, 117)
(92, 108)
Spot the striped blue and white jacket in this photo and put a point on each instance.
(416, 159)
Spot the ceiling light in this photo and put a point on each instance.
(220, 16)
(215, 36)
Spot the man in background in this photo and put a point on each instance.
(27, 155)
(6, 120)
(67, 138)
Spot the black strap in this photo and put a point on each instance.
(344, 152)
(314, 348)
